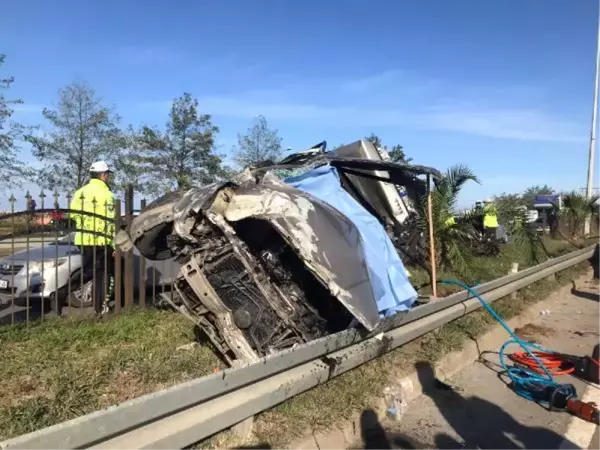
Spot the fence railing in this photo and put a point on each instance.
(56, 257)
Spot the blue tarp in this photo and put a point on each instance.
(389, 280)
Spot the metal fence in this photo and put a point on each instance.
(44, 269)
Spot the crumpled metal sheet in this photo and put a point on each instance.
(327, 241)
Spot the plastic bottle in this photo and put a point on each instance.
(395, 401)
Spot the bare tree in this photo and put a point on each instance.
(260, 143)
(181, 155)
(12, 169)
(83, 131)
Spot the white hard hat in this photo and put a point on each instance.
(100, 167)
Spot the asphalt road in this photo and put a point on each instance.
(21, 243)
(12, 314)
(483, 412)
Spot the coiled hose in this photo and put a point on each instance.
(530, 376)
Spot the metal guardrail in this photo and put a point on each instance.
(187, 413)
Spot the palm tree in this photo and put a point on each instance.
(523, 235)
(453, 238)
(576, 209)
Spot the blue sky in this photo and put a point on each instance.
(503, 86)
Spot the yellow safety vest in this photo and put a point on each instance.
(450, 221)
(96, 203)
(490, 217)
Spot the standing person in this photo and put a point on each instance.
(490, 219)
(95, 231)
(478, 216)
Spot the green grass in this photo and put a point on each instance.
(486, 269)
(63, 368)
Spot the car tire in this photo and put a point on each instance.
(153, 243)
(81, 297)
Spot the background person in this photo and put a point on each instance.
(95, 224)
(490, 219)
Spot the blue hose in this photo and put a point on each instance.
(526, 383)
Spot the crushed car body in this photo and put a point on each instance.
(268, 264)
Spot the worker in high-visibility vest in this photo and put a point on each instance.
(450, 221)
(93, 211)
(490, 219)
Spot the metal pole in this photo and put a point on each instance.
(431, 240)
(590, 174)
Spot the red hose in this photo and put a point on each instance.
(556, 365)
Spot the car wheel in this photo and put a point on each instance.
(81, 297)
(153, 242)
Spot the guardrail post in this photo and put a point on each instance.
(514, 269)
(243, 430)
(129, 255)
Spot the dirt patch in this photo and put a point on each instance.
(533, 333)
(22, 389)
(126, 386)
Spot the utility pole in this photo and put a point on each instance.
(590, 177)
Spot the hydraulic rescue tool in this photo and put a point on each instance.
(533, 370)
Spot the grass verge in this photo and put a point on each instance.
(63, 368)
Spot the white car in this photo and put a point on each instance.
(39, 273)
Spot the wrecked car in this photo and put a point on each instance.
(268, 264)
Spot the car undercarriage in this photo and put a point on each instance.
(267, 266)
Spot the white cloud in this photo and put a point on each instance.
(517, 124)
(457, 110)
(26, 108)
(374, 81)
(501, 123)
(144, 54)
